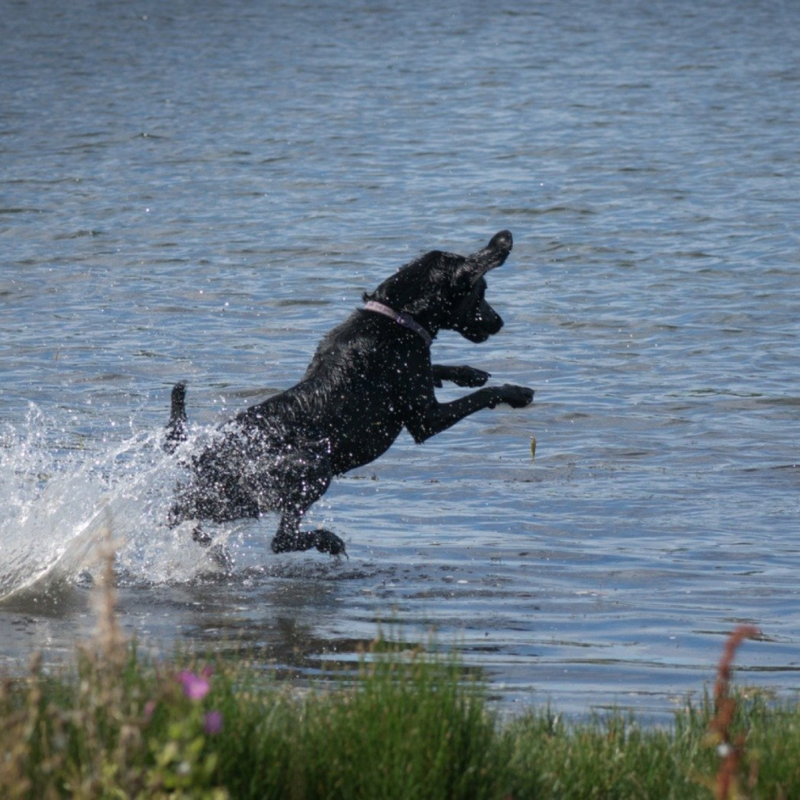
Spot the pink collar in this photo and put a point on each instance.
(406, 320)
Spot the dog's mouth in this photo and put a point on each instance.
(477, 335)
(479, 322)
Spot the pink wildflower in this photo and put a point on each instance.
(213, 722)
(195, 687)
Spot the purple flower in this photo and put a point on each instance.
(213, 723)
(195, 687)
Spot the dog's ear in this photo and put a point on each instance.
(491, 257)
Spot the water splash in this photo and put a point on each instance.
(58, 499)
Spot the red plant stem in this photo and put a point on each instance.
(725, 708)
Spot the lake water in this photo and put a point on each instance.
(198, 190)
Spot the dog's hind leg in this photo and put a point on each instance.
(301, 476)
(177, 426)
(218, 553)
(289, 537)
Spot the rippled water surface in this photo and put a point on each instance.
(199, 191)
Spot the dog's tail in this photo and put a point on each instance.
(177, 427)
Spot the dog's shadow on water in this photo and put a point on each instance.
(288, 613)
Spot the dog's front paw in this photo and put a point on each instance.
(514, 396)
(469, 376)
(329, 542)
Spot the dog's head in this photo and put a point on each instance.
(447, 291)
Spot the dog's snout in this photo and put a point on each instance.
(502, 241)
(493, 322)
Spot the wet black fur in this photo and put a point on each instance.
(369, 378)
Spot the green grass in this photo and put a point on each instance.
(406, 726)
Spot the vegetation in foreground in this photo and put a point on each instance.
(122, 726)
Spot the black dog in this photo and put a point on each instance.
(370, 377)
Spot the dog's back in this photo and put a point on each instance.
(354, 394)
